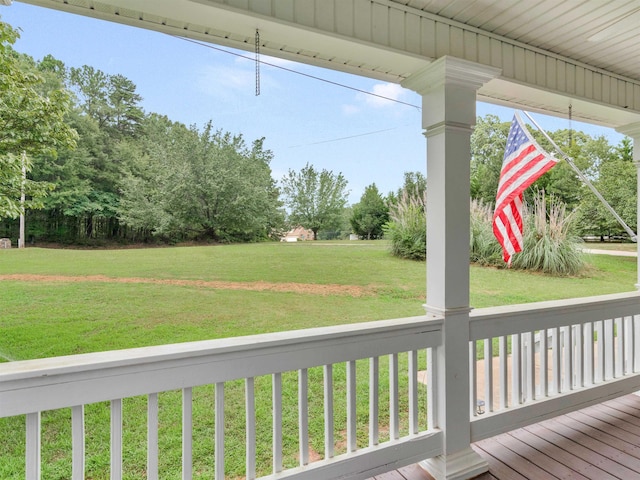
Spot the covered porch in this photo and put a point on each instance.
(549, 359)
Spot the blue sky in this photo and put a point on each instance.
(367, 139)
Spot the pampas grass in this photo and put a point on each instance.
(550, 244)
(407, 228)
(483, 247)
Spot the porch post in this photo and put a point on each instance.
(633, 131)
(448, 87)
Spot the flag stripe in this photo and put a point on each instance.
(523, 163)
(522, 179)
(521, 170)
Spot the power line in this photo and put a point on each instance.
(207, 45)
(344, 138)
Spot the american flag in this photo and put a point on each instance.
(524, 161)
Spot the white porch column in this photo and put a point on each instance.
(633, 131)
(448, 87)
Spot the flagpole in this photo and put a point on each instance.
(585, 180)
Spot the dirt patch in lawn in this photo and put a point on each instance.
(307, 288)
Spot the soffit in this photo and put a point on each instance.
(599, 33)
(391, 39)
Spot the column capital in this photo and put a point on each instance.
(630, 130)
(450, 71)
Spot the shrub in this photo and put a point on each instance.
(407, 229)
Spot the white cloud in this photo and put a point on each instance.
(227, 82)
(221, 81)
(391, 91)
(350, 109)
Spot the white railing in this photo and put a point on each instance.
(350, 401)
(387, 356)
(544, 359)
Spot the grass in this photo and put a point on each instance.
(43, 319)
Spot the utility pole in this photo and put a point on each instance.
(21, 243)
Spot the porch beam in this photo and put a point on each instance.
(449, 87)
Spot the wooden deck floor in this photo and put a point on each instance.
(600, 443)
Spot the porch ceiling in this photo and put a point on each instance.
(551, 52)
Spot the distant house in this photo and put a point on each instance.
(298, 233)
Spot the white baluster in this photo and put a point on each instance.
(33, 447)
(250, 408)
(504, 376)
(187, 434)
(277, 422)
(413, 392)
(394, 426)
(152, 436)
(303, 415)
(351, 406)
(219, 431)
(374, 386)
(328, 412)
(77, 440)
(116, 439)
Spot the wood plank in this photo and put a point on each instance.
(571, 461)
(414, 472)
(614, 428)
(620, 414)
(552, 467)
(496, 466)
(393, 475)
(596, 445)
(513, 460)
(627, 405)
(602, 436)
(592, 443)
(594, 452)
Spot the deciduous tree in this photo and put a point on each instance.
(201, 184)
(370, 214)
(315, 198)
(31, 123)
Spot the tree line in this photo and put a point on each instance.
(102, 169)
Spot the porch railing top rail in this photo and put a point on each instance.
(510, 319)
(61, 382)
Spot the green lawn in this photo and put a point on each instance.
(49, 318)
(41, 319)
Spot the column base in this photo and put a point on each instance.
(462, 465)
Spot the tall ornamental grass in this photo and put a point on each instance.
(407, 228)
(550, 244)
(484, 249)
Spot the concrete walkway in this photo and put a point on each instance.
(618, 253)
